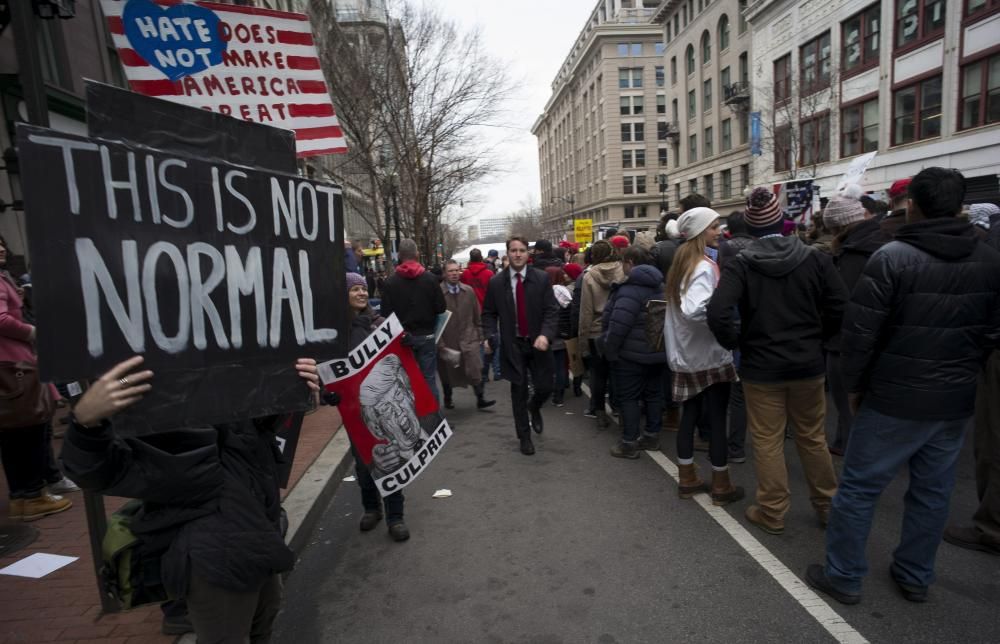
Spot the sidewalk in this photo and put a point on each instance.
(65, 607)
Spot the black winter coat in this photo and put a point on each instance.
(851, 253)
(624, 319)
(416, 301)
(663, 252)
(210, 497)
(574, 308)
(790, 300)
(545, 260)
(922, 320)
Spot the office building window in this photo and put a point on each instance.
(916, 111)
(629, 77)
(859, 128)
(692, 148)
(783, 79)
(661, 131)
(706, 48)
(706, 100)
(690, 59)
(661, 104)
(658, 48)
(632, 132)
(659, 76)
(673, 70)
(973, 7)
(709, 189)
(630, 105)
(727, 135)
(726, 179)
(815, 144)
(673, 111)
(918, 20)
(859, 39)
(692, 105)
(783, 148)
(981, 92)
(724, 82)
(692, 186)
(814, 64)
(742, 29)
(724, 33)
(744, 176)
(661, 157)
(708, 142)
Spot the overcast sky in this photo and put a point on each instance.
(534, 37)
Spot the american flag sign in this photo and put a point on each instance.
(250, 63)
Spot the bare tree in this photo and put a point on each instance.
(797, 130)
(527, 222)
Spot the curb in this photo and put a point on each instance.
(310, 496)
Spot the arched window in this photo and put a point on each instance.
(706, 48)
(724, 33)
(690, 59)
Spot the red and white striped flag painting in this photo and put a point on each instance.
(255, 64)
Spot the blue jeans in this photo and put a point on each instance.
(878, 447)
(426, 353)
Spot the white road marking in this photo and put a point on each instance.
(813, 604)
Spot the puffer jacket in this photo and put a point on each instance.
(851, 252)
(922, 320)
(732, 247)
(624, 318)
(210, 497)
(691, 347)
(790, 300)
(597, 283)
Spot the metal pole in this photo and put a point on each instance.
(395, 216)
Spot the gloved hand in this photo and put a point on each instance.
(331, 398)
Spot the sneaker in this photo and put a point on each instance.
(16, 510)
(370, 519)
(63, 486)
(817, 579)
(968, 537)
(756, 517)
(590, 413)
(625, 450)
(43, 506)
(911, 593)
(399, 531)
(649, 442)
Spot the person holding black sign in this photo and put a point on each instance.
(520, 299)
(211, 502)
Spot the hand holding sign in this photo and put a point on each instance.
(117, 389)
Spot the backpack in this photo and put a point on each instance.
(656, 314)
(130, 573)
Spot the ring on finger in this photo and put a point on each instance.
(124, 382)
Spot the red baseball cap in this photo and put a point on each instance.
(898, 189)
(619, 241)
(573, 270)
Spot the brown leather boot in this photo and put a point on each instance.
(723, 490)
(689, 483)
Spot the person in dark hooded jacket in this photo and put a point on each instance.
(544, 256)
(636, 367)
(790, 300)
(210, 501)
(856, 236)
(922, 320)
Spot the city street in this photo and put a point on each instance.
(572, 545)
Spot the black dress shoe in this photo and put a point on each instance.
(527, 447)
(537, 423)
(911, 593)
(816, 577)
(482, 403)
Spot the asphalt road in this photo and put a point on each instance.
(572, 545)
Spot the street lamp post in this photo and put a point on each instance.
(663, 191)
(571, 201)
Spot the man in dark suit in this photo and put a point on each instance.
(521, 300)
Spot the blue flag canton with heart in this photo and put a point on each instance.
(180, 40)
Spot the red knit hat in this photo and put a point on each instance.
(620, 241)
(573, 270)
(899, 188)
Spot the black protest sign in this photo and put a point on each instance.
(220, 275)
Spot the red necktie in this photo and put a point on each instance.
(522, 309)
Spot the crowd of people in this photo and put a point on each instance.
(710, 328)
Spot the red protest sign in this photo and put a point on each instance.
(388, 409)
(253, 64)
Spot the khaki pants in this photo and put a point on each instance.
(770, 406)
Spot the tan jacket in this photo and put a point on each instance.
(596, 285)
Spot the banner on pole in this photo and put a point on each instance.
(583, 231)
(755, 134)
(251, 63)
(856, 170)
(388, 409)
